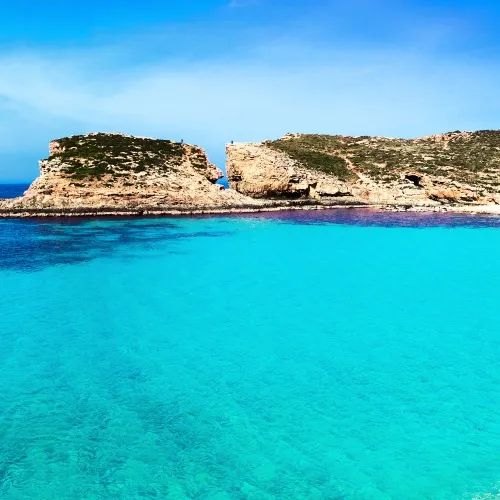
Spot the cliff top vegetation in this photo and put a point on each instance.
(464, 156)
(95, 155)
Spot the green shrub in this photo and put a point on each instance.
(461, 157)
(97, 155)
(307, 152)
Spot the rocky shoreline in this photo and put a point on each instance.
(264, 206)
(103, 174)
(239, 210)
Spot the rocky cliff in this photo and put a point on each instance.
(121, 171)
(453, 168)
(115, 173)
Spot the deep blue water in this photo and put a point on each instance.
(308, 355)
(12, 190)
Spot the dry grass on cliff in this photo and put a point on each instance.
(466, 157)
(313, 152)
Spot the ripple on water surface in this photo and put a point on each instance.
(327, 355)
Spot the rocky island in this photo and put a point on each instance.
(456, 168)
(115, 173)
(120, 174)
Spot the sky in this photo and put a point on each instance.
(212, 71)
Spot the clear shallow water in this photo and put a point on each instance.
(330, 355)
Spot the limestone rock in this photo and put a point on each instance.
(116, 170)
(458, 167)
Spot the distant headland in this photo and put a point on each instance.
(117, 174)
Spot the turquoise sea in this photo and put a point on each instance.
(335, 355)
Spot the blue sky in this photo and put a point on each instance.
(245, 70)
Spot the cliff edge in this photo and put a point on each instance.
(112, 174)
(120, 171)
(454, 168)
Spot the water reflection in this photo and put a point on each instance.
(32, 244)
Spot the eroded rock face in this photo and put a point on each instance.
(106, 171)
(115, 170)
(460, 167)
(261, 172)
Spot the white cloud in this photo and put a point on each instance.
(279, 89)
